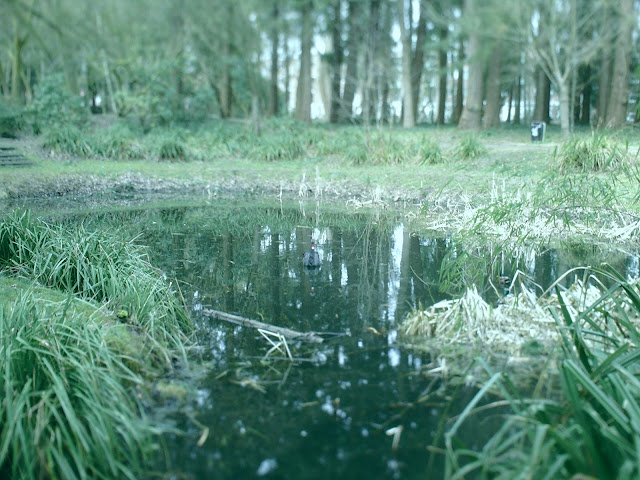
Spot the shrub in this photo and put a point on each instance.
(469, 147)
(11, 120)
(595, 152)
(54, 106)
(68, 140)
(119, 142)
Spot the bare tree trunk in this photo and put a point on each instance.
(457, 111)
(564, 108)
(472, 111)
(303, 96)
(492, 110)
(417, 61)
(509, 103)
(16, 61)
(351, 76)
(516, 113)
(408, 112)
(543, 97)
(225, 82)
(619, 94)
(442, 80)
(336, 61)
(275, 40)
(372, 66)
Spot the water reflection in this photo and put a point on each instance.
(328, 415)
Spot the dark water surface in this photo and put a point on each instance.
(331, 413)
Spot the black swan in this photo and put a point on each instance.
(311, 259)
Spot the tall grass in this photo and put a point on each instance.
(592, 428)
(69, 407)
(99, 267)
(70, 381)
(592, 153)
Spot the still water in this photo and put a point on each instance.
(360, 405)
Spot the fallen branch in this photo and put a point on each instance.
(312, 337)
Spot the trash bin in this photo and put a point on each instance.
(537, 131)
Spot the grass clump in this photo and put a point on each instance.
(429, 152)
(72, 373)
(67, 140)
(68, 408)
(590, 429)
(119, 142)
(96, 267)
(281, 146)
(469, 147)
(172, 147)
(593, 153)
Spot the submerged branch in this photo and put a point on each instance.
(313, 337)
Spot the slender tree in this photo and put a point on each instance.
(619, 92)
(472, 110)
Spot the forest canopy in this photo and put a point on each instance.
(472, 63)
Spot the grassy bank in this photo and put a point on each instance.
(497, 177)
(588, 430)
(85, 322)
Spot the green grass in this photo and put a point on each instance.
(75, 356)
(593, 153)
(591, 429)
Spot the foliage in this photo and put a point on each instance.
(592, 153)
(11, 119)
(67, 139)
(68, 409)
(98, 267)
(119, 142)
(54, 107)
(429, 152)
(591, 428)
(469, 147)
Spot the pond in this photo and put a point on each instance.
(359, 405)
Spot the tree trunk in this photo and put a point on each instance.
(565, 125)
(492, 110)
(619, 94)
(472, 110)
(303, 94)
(16, 62)
(224, 88)
(417, 61)
(457, 111)
(543, 97)
(516, 113)
(442, 80)
(351, 76)
(372, 64)
(336, 61)
(585, 101)
(275, 40)
(408, 112)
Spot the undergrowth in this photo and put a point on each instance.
(590, 430)
(71, 381)
(593, 153)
